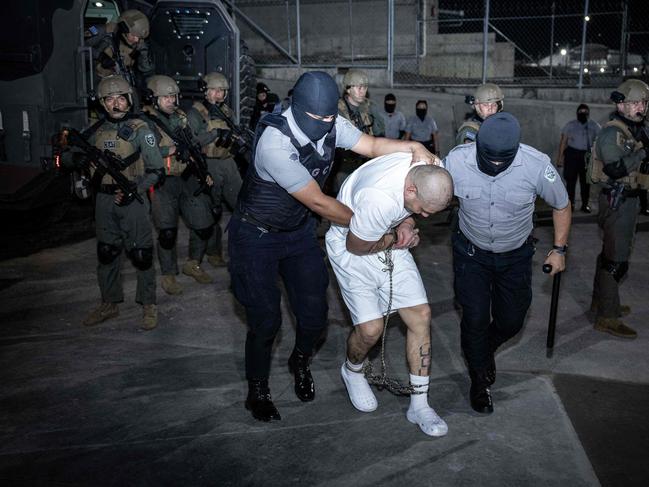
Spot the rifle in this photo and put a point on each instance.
(615, 196)
(119, 61)
(189, 152)
(106, 162)
(244, 135)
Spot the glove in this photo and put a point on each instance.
(225, 138)
(127, 199)
(106, 61)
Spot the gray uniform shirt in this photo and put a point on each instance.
(421, 131)
(496, 212)
(581, 136)
(394, 123)
(277, 160)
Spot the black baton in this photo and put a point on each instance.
(552, 323)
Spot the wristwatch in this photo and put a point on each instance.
(559, 249)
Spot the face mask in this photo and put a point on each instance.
(498, 140)
(389, 107)
(582, 117)
(421, 113)
(315, 92)
(312, 128)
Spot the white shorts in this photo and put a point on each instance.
(365, 286)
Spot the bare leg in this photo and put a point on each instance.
(362, 338)
(417, 320)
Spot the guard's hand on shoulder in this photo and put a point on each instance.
(421, 154)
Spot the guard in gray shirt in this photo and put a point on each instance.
(496, 181)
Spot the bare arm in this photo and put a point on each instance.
(314, 199)
(561, 219)
(562, 147)
(359, 246)
(406, 136)
(371, 147)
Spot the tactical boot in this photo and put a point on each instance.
(298, 364)
(193, 269)
(216, 260)
(480, 394)
(150, 317)
(170, 285)
(259, 402)
(623, 310)
(615, 327)
(101, 313)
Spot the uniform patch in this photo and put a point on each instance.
(110, 144)
(470, 135)
(150, 139)
(550, 174)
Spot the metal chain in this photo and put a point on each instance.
(382, 381)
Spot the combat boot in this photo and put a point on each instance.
(150, 317)
(216, 260)
(615, 327)
(193, 269)
(298, 364)
(259, 402)
(480, 394)
(101, 313)
(170, 285)
(623, 310)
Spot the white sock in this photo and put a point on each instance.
(354, 367)
(420, 384)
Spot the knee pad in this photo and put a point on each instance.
(142, 258)
(107, 253)
(617, 269)
(167, 238)
(204, 233)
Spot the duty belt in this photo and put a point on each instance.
(528, 240)
(248, 218)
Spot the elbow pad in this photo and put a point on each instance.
(616, 170)
(159, 172)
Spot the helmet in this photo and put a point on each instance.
(488, 93)
(216, 80)
(114, 85)
(631, 90)
(161, 85)
(355, 77)
(134, 22)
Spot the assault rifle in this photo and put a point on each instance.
(189, 152)
(105, 162)
(123, 71)
(244, 135)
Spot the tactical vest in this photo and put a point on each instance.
(125, 51)
(267, 202)
(595, 165)
(212, 150)
(106, 137)
(164, 130)
(363, 120)
(468, 130)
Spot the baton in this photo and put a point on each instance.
(552, 323)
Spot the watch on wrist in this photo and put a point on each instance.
(559, 249)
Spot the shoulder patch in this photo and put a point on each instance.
(550, 174)
(150, 139)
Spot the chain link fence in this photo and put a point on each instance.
(432, 43)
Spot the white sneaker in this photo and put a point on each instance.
(428, 420)
(359, 390)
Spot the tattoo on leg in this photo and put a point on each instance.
(355, 354)
(424, 364)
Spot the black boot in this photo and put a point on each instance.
(259, 402)
(298, 364)
(479, 393)
(490, 373)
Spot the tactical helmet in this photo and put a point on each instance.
(355, 77)
(631, 90)
(488, 93)
(114, 85)
(134, 22)
(161, 85)
(216, 80)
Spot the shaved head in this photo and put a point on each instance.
(434, 185)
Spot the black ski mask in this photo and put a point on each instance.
(390, 103)
(421, 113)
(497, 141)
(582, 113)
(315, 92)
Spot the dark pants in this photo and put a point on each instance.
(257, 259)
(575, 168)
(495, 292)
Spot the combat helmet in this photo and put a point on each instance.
(631, 90)
(160, 85)
(355, 77)
(112, 86)
(134, 22)
(488, 93)
(216, 81)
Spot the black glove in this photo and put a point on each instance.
(225, 138)
(128, 198)
(106, 61)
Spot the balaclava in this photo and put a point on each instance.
(315, 92)
(497, 141)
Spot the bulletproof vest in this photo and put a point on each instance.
(163, 128)
(119, 138)
(125, 51)
(625, 140)
(468, 130)
(214, 122)
(266, 201)
(362, 119)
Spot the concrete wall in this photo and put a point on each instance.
(541, 120)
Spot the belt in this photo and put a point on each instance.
(627, 192)
(248, 218)
(528, 240)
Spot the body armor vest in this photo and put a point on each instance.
(164, 129)
(267, 202)
(625, 140)
(125, 51)
(106, 137)
(362, 120)
(212, 150)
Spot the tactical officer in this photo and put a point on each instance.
(423, 128)
(123, 223)
(487, 100)
(393, 119)
(177, 195)
(496, 181)
(620, 164)
(577, 136)
(272, 232)
(122, 48)
(355, 106)
(210, 115)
